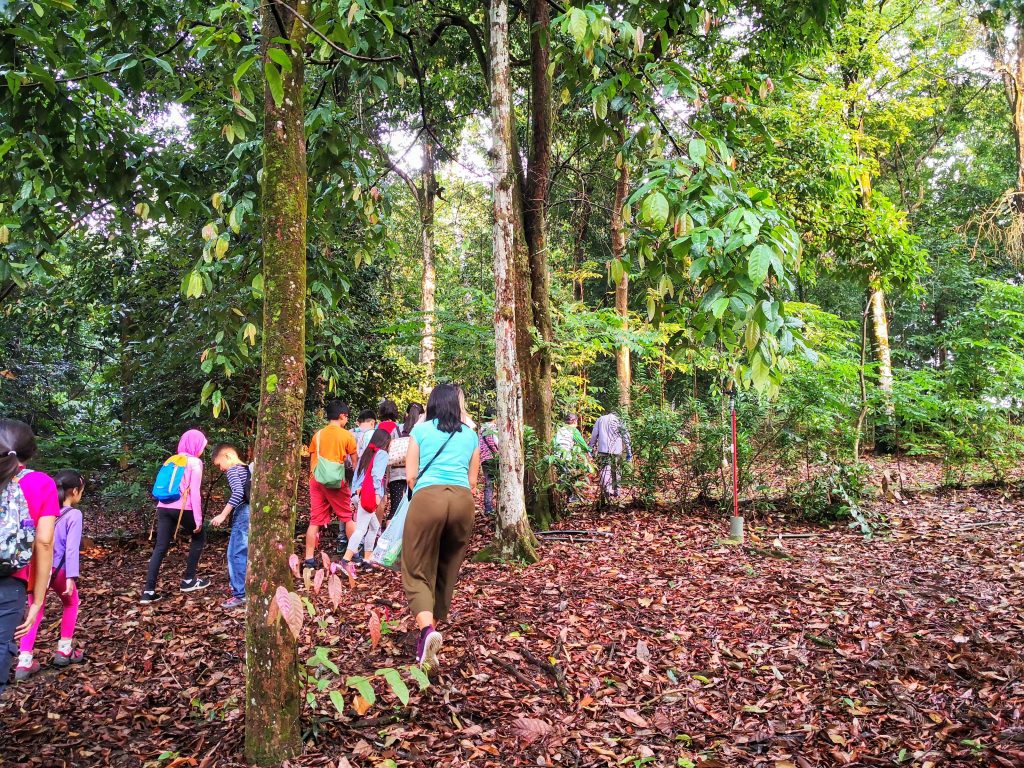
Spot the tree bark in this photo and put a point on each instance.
(429, 281)
(514, 539)
(623, 371)
(880, 329)
(273, 692)
(538, 181)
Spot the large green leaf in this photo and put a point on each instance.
(655, 210)
(760, 261)
(274, 83)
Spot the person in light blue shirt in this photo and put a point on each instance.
(439, 522)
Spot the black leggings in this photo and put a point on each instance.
(166, 520)
(395, 490)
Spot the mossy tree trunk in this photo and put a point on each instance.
(623, 370)
(273, 691)
(513, 536)
(535, 207)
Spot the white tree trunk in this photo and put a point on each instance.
(429, 281)
(880, 323)
(513, 537)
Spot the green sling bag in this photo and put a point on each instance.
(330, 474)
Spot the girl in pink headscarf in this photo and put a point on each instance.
(189, 510)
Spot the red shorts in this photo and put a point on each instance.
(323, 501)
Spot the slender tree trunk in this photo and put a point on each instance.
(513, 537)
(273, 692)
(623, 371)
(880, 329)
(535, 205)
(580, 226)
(862, 379)
(429, 281)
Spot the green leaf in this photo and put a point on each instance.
(195, 286)
(274, 83)
(6, 146)
(338, 701)
(162, 63)
(752, 336)
(578, 24)
(243, 68)
(364, 687)
(417, 674)
(719, 306)
(601, 106)
(698, 150)
(398, 686)
(760, 260)
(654, 210)
(208, 388)
(280, 58)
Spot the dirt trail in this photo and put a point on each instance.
(661, 647)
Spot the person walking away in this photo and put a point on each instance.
(367, 498)
(489, 458)
(571, 457)
(441, 467)
(330, 450)
(186, 512)
(67, 542)
(610, 441)
(226, 459)
(366, 423)
(29, 507)
(396, 457)
(387, 413)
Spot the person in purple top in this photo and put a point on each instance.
(67, 541)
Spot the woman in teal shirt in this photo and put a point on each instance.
(439, 522)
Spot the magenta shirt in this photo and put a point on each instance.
(41, 494)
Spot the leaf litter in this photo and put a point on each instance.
(661, 646)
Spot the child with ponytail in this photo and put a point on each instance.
(67, 541)
(368, 493)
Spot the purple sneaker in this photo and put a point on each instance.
(428, 648)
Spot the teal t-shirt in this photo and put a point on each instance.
(452, 466)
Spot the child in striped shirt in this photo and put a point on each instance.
(225, 458)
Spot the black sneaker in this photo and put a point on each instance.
(194, 585)
(309, 565)
(150, 597)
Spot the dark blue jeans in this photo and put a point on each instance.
(238, 550)
(13, 593)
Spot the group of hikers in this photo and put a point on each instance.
(415, 476)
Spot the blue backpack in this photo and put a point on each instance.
(167, 486)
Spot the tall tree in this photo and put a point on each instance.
(623, 370)
(273, 692)
(513, 539)
(428, 283)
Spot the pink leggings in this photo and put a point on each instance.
(58, 583)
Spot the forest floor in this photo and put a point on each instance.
(659, 646)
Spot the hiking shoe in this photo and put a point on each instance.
(308, 565)
(429, 646)
(194, 585)
(21, 674)
(367, 565)
(74, 656)
(150, 597)
(350, 570)
(232, 603)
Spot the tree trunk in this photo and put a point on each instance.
(273, 692)
(535, 204)
(580, 225)
(623, 371)
(429, 281)
(513, 538)
(880, 328)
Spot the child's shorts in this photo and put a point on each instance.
(324, 501)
